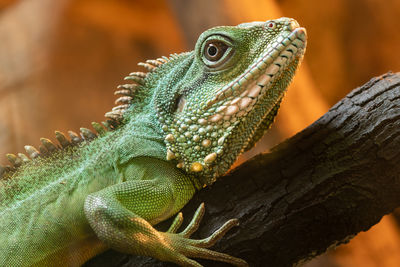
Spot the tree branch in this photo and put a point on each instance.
(317, 189)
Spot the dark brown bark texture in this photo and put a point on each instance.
(337, 177)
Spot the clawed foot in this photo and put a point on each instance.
(183, 247)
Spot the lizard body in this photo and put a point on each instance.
(177, 128)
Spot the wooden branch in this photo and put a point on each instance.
(316, 190)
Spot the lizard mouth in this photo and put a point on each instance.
(242, 93)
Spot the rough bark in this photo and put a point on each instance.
(316, 190)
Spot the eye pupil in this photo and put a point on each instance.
(212, 50)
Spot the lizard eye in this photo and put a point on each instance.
(214, 50)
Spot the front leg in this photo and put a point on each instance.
(122, 216)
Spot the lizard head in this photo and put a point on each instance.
(217, 101)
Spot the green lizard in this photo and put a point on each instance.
(176, 129)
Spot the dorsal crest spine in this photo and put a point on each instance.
(126, 93)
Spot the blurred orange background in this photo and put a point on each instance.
(60, 62)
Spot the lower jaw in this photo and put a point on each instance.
(265, 105)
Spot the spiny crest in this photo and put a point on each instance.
(47, 147)
(126, 92)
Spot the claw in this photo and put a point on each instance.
(199, 248)
(214, 255)
(218, 234)
(195, 222)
